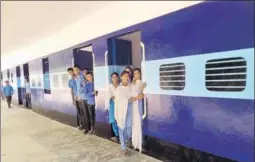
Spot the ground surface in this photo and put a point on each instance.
(29, 137)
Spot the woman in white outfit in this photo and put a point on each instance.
(137, 110)
(123, 110)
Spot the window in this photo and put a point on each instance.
(65, 79)
(39, 83)
(55, 81)
(33, 82)
(172, 76)
(12, 77)
(228, 74)
(46, 76)
(8, 74)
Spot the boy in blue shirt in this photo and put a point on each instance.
(90, 94)
(8, 92)
(73, 88)
(81, 98)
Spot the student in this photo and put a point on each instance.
(81, 98)
(72, 86)
(85, 71)
(28, 92)
(90, 94)
(1, 92)
(110, 104)
(130, 71)
(123, 110)
(8, 92)
(137, 109)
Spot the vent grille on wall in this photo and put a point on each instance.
(172, 76)
(228, 74)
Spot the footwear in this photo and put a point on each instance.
(80, 127)
(86, 131)
(126, 152)
(92, 131)
(129, 143)
(115, 139)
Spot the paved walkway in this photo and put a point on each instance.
(29, 137)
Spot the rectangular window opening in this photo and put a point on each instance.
(226, 75)
(172, 76)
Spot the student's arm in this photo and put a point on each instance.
(89, 93)
(139, 97)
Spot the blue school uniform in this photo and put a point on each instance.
(80, 80)
(89, 93)
(8, 90)
(72, 85)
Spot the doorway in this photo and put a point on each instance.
(26, 98)
(84, 58)
(18, 77)
(126, 50)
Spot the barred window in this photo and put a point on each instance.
(33, 82)
(172, 76)
(55, 81)
(65, 79)
(228, 74)
(39, 84)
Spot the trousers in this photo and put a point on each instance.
(9, 100)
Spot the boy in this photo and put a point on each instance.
(72, 86)
(8, 92)
(90, 94)
(81, 98)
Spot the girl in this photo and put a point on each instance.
(123, 110)
(110, 101)
(130, 71)
(137, 110)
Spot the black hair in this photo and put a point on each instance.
(131, 70)
(115, 73)
(76, 66)
(89, 73)
(124, 72)
(70, 69)
(128, 67)
(137, 69)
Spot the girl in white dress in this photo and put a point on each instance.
(137, 110)
(110, 101)
(123, 110)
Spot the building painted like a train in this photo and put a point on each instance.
(198, 64)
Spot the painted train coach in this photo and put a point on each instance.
(198, 64)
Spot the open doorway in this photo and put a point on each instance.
(84, 58)
(18, 75)
(135, 39)
(27, 89)
(125, 50)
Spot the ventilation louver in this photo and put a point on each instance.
(228, 74)
(172, 76)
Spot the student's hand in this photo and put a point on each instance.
(131, 99)
(95, 93)
(143, 86)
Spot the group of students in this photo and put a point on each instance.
(7, 93)
(83, 94)
(124, 100)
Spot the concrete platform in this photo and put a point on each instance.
(29, 137)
